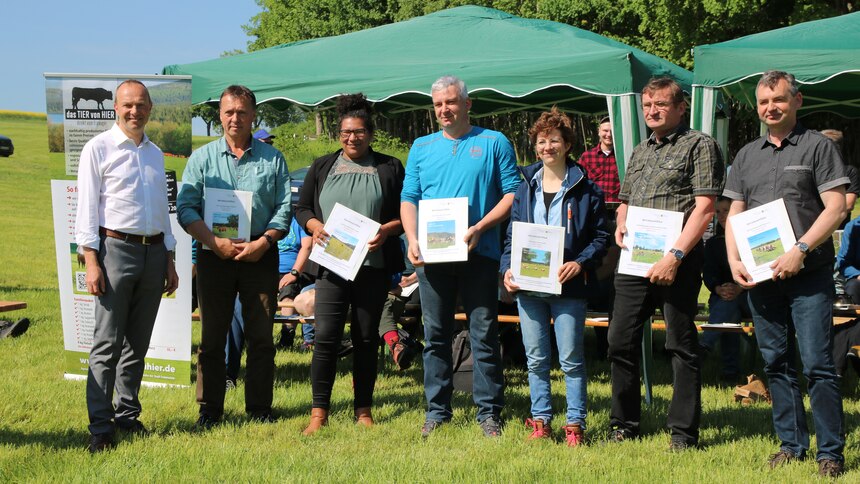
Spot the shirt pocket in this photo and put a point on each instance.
(798, 184)
(671, 174)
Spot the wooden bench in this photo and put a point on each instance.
(601, 320)
(11, 306)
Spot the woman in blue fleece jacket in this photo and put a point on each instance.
(556, 192)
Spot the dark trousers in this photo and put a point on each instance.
(334, 297)
(218, 283)
(635, 301)
(125, 315)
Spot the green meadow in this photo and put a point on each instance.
(43, 420)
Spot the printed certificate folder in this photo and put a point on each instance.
(762, 234)
(536, 256)
(650, 235)
(349, 232)
(442, 225)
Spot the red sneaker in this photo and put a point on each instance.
(574, 435)
(540, 429)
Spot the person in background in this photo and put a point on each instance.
(556, 192)
(728, 301)
(403, 347)
(369, 183)
(602, 168)
(129, 259)
(293, 252)
(264, 136)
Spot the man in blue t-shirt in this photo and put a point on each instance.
(461, 161)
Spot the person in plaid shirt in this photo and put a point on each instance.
(599, 163)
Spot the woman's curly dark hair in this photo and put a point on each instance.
(355, 106)
(550, 121)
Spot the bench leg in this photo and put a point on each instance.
(647, 360)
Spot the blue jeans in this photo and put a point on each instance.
(722, 311)
(569, 325)
(235, 343)
(476, 282)
(800, 307)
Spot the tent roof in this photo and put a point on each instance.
(509, 63)
(824, 56)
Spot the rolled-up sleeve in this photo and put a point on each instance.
(708, 168)
(89, 193)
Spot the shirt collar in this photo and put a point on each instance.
(792, 137)
(119, 137)
(669, 138)
(226, 149)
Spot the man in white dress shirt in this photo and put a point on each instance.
(123, 230)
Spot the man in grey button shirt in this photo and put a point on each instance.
(804, 169)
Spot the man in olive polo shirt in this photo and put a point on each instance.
(804, 169)
(681, 170)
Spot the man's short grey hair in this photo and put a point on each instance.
(772, 78)
(445, 81)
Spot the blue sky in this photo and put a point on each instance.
(116, 37)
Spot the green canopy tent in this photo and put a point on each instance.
(824, 56)
(509, 64)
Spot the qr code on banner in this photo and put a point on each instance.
(81, 281)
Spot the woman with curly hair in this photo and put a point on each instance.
(556, 192)
(369, 183)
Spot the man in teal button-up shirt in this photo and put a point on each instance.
(248, 268)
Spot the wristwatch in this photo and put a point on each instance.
(803, 247)
(678, 253)
(269, 239)
(294, 273)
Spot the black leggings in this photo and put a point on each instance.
(334, 296)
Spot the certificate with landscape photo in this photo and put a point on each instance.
(762, 234)
(442, 224)
(650, 235)
(227, 213)
(537, 253)
(349, 232)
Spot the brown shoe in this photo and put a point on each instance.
(363, 417)
(319, 417)
(830, 468)
(540, 429)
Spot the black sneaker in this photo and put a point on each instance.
(132, 427)
(619, 435)
(345, 348)
(230, 385)
(428, 428)
(492, 427)
(100, 442)
(263, 417)
(13, 330)
(830, 468)
(288, 337)
(205, 422)
(784, 456)
(680, 445)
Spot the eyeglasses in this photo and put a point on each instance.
(359, 133)
(659, 105)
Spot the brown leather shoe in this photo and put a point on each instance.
(319, 417)
(363, 417)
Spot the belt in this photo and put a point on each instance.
(138, 239)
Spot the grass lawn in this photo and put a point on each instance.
(43, 421)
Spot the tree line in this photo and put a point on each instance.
(666, 28)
